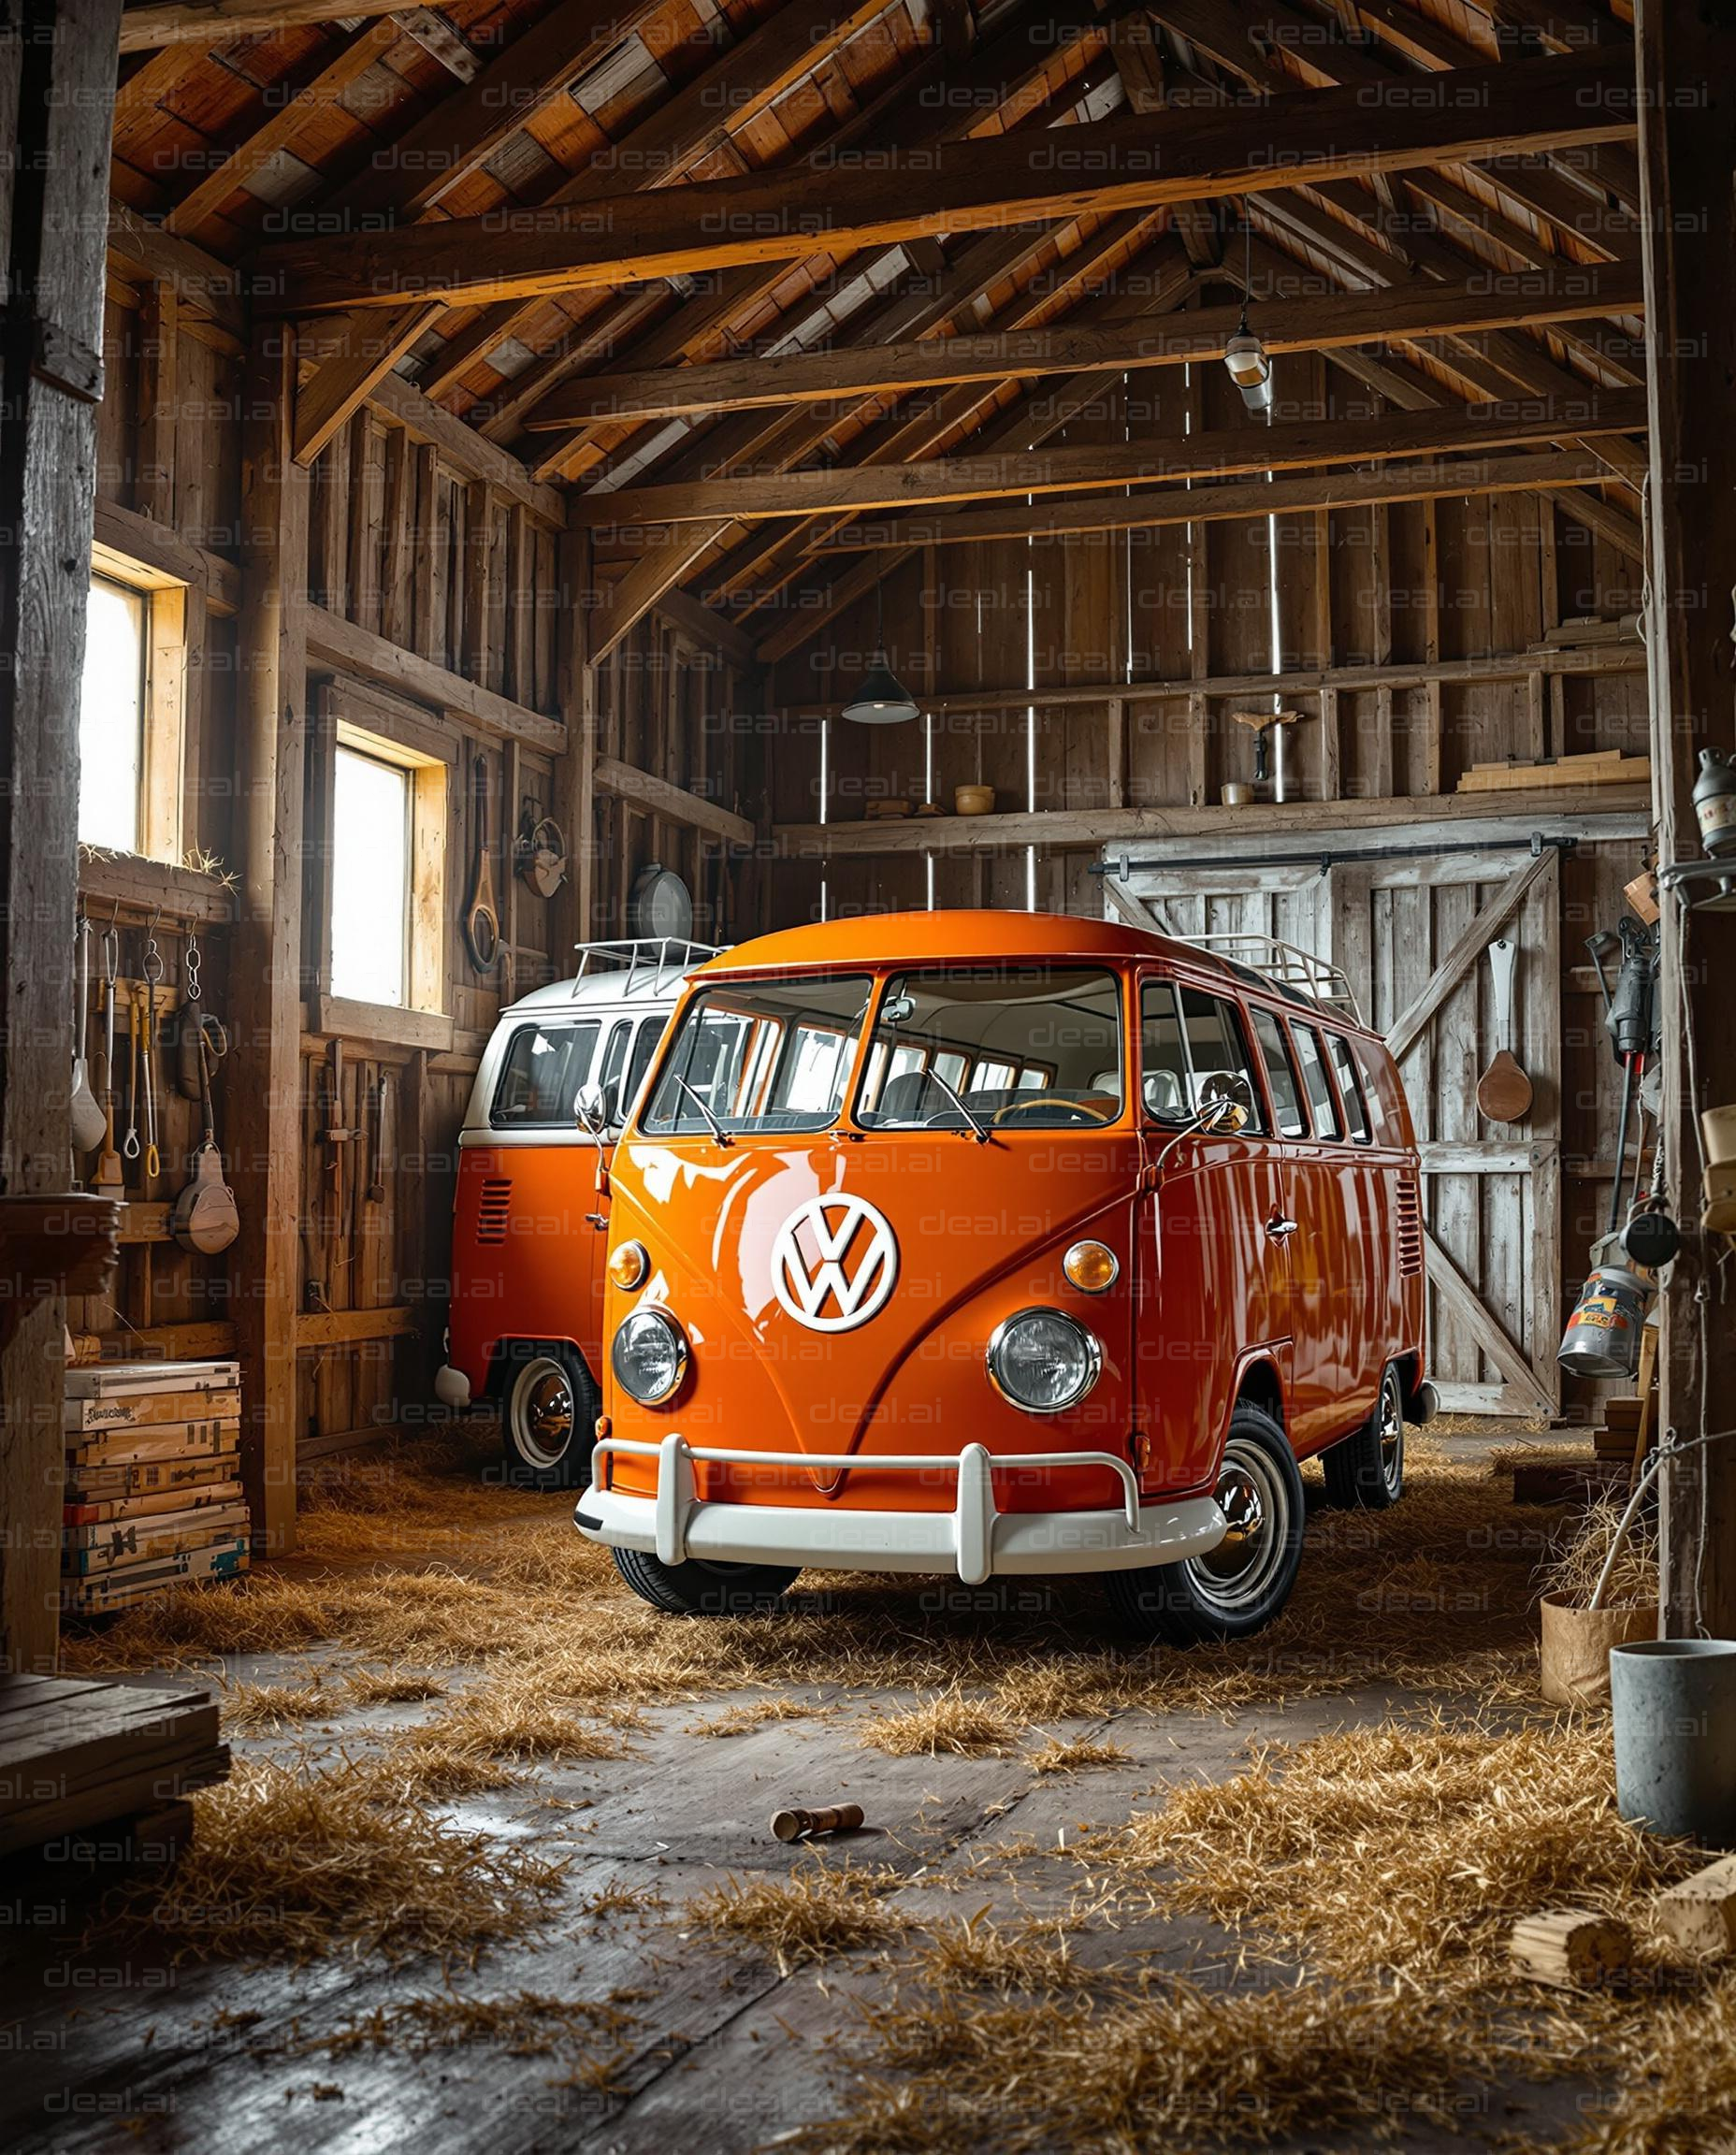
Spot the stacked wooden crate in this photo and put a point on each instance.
(79, 1754)
(153, 1489)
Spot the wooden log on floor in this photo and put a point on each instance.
(1574, 1949)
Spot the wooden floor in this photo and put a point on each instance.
(128, 2050)
(113, 2045)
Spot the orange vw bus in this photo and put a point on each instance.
(991, 1243)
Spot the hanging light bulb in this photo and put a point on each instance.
(1244, 355)
(881, 699)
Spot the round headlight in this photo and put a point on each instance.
(1091, 1267)
(1043, 1361)
(628, 1264)
(649, 1356)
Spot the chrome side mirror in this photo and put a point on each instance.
(1225, 1104)
(596, 1110)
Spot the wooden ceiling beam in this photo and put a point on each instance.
(213, 22)
(857, 489)
(854, 372)
(407, 176)
(687, 127)
(287, 117)
(1233, 502)
(1142, 163)
(461, 133)
(1239, 39)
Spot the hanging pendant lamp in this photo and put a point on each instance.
(881, 699)
(1245, 356)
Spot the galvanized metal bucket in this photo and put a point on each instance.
(1674, 1701)
(1602, 1337)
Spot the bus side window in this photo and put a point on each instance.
(1378, 1083)
(1318, 1085)
(1163, 1059)
(1350, 1088)
(540, 1078)
(644, 1047)
(1217, 1046)
(1281, 1072)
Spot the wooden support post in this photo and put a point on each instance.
(271, 731)
(57, 95)
(1688, 82)
(575, 773)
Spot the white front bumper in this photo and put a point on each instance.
(973, 1539)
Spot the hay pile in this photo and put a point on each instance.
(1573, 1574)
(1366, 1882)
(289, 1863)
(815, 1913)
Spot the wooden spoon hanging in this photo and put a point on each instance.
(1504, 1092)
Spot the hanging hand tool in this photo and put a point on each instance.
(481, 922)
(1268, 762)
(205, 1217)
(87, 1116)
(374, 1188)
(197, 1023)
(130, 1146)
(154, 972)
(1504, 1091)
(1630, 1019)
(110, 1177)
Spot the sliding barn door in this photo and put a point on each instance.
(1412, 930)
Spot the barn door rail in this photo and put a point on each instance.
(1537, 842)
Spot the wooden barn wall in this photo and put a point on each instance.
(465, 575)
(679, 711)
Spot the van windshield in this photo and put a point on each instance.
(1032, 1047)
(761, 1055)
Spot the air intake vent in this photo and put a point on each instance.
(1410, 1229)
(491, 1211)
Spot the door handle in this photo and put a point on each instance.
(1279, 1228)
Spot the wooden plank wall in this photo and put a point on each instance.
(461, 569)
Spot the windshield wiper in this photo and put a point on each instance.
(705, 1108)
(980, 1128)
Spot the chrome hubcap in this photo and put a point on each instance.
(1256, 1505)
(543, 1411)
(1392, 1436)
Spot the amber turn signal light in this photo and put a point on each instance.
(1091, 1267)
(628, 1264)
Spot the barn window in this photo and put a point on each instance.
(388, 829)
(129, 710)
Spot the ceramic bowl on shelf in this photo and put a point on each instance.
(974, 800)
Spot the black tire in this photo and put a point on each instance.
(1365, 1470)
(548, 1416)
(701, 1589)
(1243, 1583)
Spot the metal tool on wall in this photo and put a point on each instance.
(540, 855)
(481, 920)
(110, 1177)
(197, 1026)
(88, 1122)
(152, 970)
(206, 1218)
(1268, 728)
(1503, 1092)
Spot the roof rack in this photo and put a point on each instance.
(646, 959)
(1286, 965)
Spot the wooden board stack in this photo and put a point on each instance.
(153, 1491)
(80, 1753)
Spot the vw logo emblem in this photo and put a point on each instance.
(835, 1263)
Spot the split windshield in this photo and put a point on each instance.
(953, 1049)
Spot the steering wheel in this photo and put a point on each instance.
(1079, 1114)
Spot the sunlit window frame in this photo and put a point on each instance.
(349, 720)
(162, 750)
